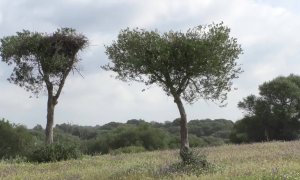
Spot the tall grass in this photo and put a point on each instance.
(273, 160)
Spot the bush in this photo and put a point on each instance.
(126, 136)
(213, 141)
(128, 149)
(15, 140)
(54, 152)
(195, 141)
(192, 163)
(188, 157)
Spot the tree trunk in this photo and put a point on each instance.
(184, 146)
(50, 118)
(266, 134)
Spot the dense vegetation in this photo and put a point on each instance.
(132, 136)
(15, 140)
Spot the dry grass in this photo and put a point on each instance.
(275, 160)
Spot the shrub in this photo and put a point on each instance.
(126, 136)
(213, 141)
(128, 149)
(195, 141)
(15, 140)
(192, 163)
(54, 152)
(190, 157)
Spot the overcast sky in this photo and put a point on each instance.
(268, 31)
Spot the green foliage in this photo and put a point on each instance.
(41, 58)
(65, 138)
(15, 140)
(273, 115)
(128, 149)
(197, 64)
(193, 163)
(196, 141)
(151, 136)
(82, 132)
(132, 136)
(219, 128)
(154, 136)
(38, 135)
(214, 141)
(128, 135)
(54, 152)
(16, 159)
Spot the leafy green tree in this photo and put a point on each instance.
(43, 61)
(197, 64)
(274, 115)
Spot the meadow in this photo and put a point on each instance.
(270, 160)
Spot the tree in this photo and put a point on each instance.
(274, 115)
(43, 61)
(197, 64)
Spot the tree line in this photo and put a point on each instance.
(133, 136)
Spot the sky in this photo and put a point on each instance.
(268, 31)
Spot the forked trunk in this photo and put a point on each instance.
(50, 118)
(184, 145)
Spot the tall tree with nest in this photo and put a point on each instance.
(200, 63)
(43, 61)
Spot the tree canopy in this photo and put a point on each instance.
(197, 64)
(40, 58)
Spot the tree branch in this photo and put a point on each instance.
(195, 85)
(62, 82)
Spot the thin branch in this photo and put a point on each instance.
(79, 72)
(39, 69)
(195, 85)
(182, 85)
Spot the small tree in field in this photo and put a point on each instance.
(43, 61)
(197, 64)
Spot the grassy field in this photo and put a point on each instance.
(275, 160)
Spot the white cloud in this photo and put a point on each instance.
(1, 18)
